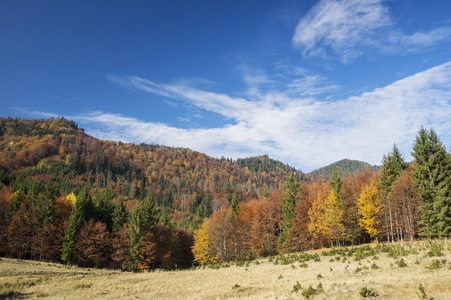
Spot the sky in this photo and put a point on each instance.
(306, 82)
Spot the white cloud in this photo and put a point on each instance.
(345, 28)
(304, 132)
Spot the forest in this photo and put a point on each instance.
(68, 197)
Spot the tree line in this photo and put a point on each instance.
(68, 197)
(401, 202)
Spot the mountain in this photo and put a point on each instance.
(184, 181)
(346, 167)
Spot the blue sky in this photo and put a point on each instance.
(306, 82)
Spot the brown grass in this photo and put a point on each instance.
(265, 280)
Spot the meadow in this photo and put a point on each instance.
(409, 270)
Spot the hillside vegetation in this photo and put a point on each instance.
(69, 197)
(346, 167)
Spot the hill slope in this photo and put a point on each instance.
(56, 150)
(346, 167)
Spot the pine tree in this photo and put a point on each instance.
(83, 211)
(432, 176)
(290, 196)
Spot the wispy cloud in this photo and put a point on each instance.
(305, 132)
(345, 28)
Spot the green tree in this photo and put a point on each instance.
(83, 211)
(337, 185)
(235, 204)
(104, 208)
(392, 166)
(432, 176)
(135, 233)
(119, 216)
(141, 221)
(291, 195)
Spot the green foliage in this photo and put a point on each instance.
(345, 166)
(296, 288)
(119, 216)
(401, 263)
(432, 176)
(368, 292)
(291, 195)
(82, 212)
(235, 204)
(312, 292)
(422, 292)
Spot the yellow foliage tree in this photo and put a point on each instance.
(326, 218)
(369, 208)
(203, 250)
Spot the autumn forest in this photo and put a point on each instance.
(68, 197)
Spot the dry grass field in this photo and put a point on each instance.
(420, 270)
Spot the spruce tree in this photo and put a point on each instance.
(235, 204)
(432, 176)
(392, 166)
(291, 194)
(82, 211)
(120, 215)
(337, 184)
(142, 220)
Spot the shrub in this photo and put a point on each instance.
(296, 287)
(311, 291)
(401, 263)
(236, 286)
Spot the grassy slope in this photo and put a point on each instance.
(256, 280)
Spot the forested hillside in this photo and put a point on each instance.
(346, 167)
(66, 196)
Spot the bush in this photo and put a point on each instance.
(367, 292)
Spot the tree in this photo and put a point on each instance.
(235, 204)
(300, 236)
(405, 200)
(135, 233)
(369, 207)
(120, 248)
(221, 232)
(290, 196)
(337, 185)
(392, 166)
(92, 247)
(83, 211)
(203, 250)
(119, 216)
(432, 176)
(326, 217)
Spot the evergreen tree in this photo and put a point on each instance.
(141, 220)
(104, 208)
(337, 184)
(120, 215)
(135, 233)
(235, 204)
(290, 197)
(432, 176)
(147, 211)
(83, 211)
(392, 166)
